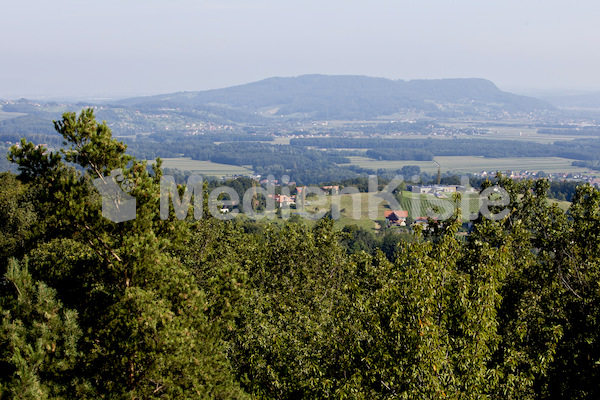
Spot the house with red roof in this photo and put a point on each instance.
(396, 217)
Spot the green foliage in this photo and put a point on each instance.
(19, 218)
(39, 339)
(142, 312)
(242, 309)
(90, 144)
(426, 149)
(34, 161)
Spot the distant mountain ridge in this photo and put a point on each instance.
(351, 97)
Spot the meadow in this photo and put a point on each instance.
(355, 208)
(472, 164)
(519, 131)
(367, 211)
(535, 164)
(206, 168)
(369, 163)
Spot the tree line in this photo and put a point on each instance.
(401, 149)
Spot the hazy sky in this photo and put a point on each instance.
(132, 47)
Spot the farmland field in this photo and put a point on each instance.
(355, 208)
(526, 134)
(204, 167)
(365, 162)
(514, 133)
(476, 164)
(285, 140)
(416, 205)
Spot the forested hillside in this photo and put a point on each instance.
(205, 308)
(351, 97)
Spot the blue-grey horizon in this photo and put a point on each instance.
(70, 48)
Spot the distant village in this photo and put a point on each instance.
(589, 177)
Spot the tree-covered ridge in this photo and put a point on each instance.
(353, 97)
(212, 309)
(426, 149)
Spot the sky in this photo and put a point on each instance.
(109, 48)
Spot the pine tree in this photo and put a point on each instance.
(39, 341)
(146, 332)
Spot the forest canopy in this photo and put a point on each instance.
(213, 309)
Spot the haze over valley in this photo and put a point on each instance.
(257, 126)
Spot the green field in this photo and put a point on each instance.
(563, 205)
(416, 205)
(476, 164)
(470, 203)
(365, 162)
(204, 167)
(513, 133)
(527, 134)
(281, 140)
(347, 205)
(426, 204)
(516, 133)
